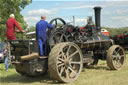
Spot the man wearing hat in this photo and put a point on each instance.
(41, 34)
(11, 24)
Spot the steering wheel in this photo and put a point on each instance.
(59, 22)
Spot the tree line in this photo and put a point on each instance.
(8, 7)
(116, 31)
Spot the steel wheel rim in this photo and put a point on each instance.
(118, 57)
(67, 66)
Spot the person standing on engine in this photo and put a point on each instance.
(41, 34)
(11, 24)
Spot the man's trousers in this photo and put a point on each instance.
(42, 46)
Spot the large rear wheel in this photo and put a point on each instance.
(65, 62)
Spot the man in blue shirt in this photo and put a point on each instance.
(41, 34)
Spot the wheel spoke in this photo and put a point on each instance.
(118, 64)
(72, 70)
(68, 35)
(73, 62)
(59, 62)
(68, 50)
(62, 70)
(55, 40)
(114, 57)
(62, 64)
(61, 59)
(61, 38)
(73, 54)
(114, 61)
(67, 74)
(118, 50)
(56, 22)
(63, 55)
(115, 53)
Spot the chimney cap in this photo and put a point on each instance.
(97, 7)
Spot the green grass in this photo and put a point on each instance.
(99, 75)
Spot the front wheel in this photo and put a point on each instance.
(115, 57)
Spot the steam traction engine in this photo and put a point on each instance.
(69, 47)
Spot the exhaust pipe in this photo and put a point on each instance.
(97, 17)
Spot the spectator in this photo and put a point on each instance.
(5, 57)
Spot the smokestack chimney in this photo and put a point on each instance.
(97, 17)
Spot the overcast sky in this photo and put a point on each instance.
(114, 13)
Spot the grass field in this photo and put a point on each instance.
(99, 75)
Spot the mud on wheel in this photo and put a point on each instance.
(65, 62)
(116, 57)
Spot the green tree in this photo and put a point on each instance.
(11, 6)
(31, 29)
